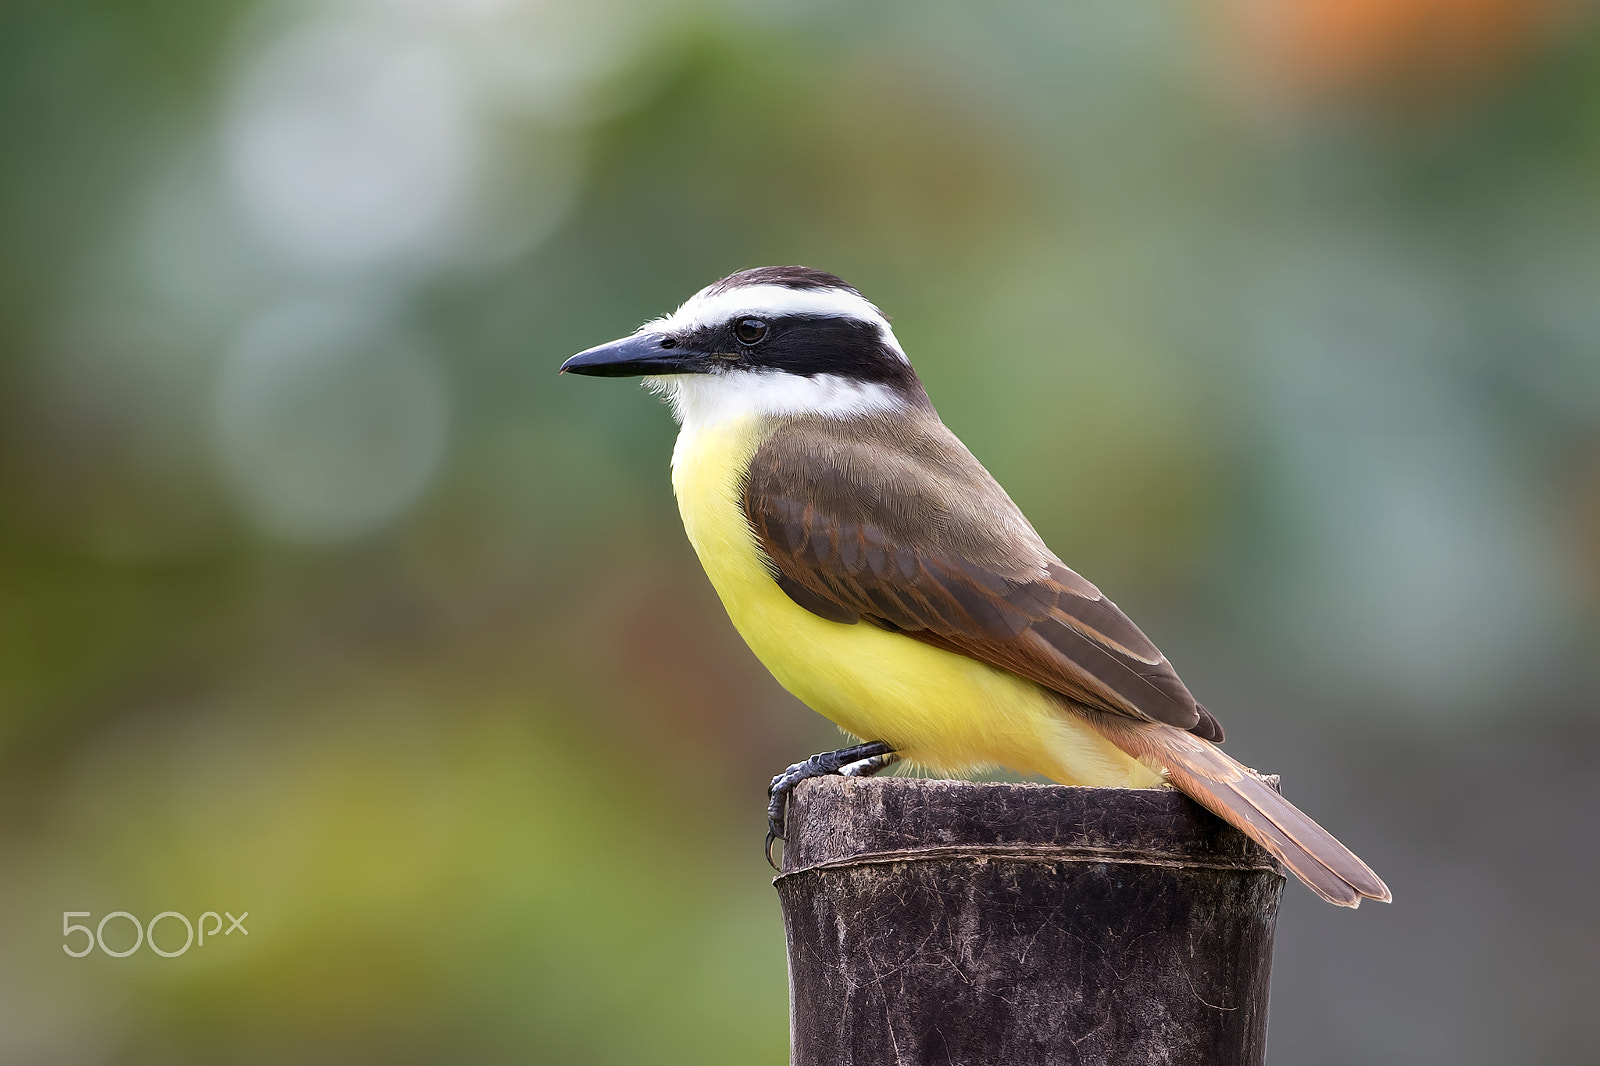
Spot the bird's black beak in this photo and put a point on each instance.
(636, 356)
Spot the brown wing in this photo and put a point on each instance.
(893, 521)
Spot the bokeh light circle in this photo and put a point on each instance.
(328, 420)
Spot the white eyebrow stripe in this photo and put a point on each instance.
(772, 301)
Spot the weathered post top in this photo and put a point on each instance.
(934, 921)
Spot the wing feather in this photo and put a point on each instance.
(897, 524)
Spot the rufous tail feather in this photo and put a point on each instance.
(1237, 795)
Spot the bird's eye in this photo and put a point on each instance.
(750, 330)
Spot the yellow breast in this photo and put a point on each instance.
(940, 710)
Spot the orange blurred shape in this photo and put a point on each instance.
(1356, 47)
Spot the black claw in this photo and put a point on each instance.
(772, 838)
(862, 760)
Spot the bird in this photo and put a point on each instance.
(884, 577)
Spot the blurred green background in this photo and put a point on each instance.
(323, 598)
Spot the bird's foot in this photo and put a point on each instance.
(861, 760)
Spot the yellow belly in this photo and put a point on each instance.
(940, 710)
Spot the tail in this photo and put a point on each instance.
(1237, 795)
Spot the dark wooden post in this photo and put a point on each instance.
(976, 924)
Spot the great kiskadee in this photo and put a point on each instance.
(889, 582)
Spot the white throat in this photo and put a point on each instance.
(701, 400)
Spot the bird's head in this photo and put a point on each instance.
(784, 340)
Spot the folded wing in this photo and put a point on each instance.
(899, 526)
